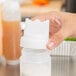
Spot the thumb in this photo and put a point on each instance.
(57, 38)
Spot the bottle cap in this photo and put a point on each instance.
(36, 34)
(11, 11)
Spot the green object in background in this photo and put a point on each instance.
(70, 39)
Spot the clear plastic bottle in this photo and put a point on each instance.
(11, 32)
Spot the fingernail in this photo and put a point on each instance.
(51, 45)
(58, 22)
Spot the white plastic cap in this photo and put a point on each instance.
(36, 34)
(11, 11)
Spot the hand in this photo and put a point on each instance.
(62, 25)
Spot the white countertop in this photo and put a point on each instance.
(61, 66)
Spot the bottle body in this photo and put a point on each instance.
(11, 32)
(35, 63)
(11, 39)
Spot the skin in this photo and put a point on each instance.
(62, 25)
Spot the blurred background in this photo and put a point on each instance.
(63, 57)
(36, 7)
